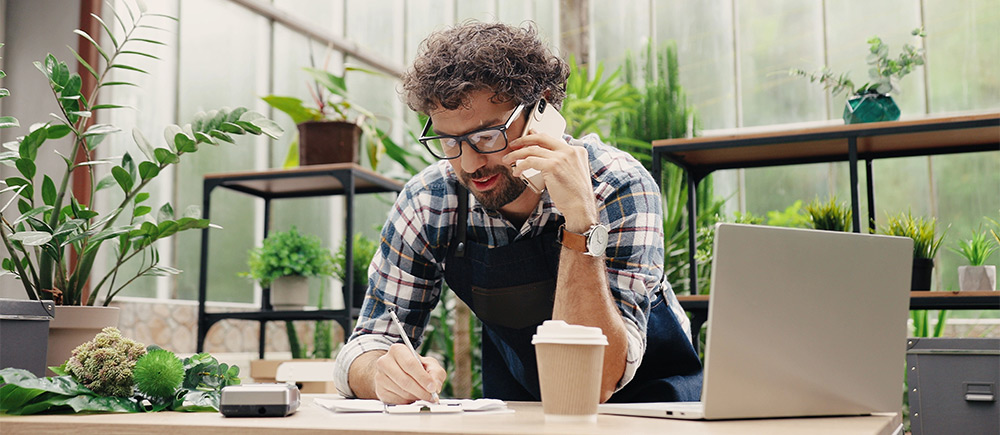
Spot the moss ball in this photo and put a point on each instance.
(159, 373)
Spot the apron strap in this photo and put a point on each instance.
(463, 218)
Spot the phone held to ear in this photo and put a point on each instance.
(543, 119)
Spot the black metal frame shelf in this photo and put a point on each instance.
(701, 156)
(346, 179)
(919, 300)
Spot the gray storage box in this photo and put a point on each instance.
(24, 334)
(953, 385)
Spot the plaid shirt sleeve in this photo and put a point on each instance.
(405, 271)
(629, 203)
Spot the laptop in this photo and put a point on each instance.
(800, 323)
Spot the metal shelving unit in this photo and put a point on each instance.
(346, 179)
(701, 156)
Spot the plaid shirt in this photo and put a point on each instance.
(408, 269)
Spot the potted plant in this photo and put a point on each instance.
(871, 102)
(829, 216)
(43, 224)
(330, 130)
(284, 263)
(977, 275)
(363, 251)
(925, 245)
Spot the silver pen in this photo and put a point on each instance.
(402, 333)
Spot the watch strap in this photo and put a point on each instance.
(571, 240)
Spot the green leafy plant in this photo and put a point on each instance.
(829, 216)
(884, 73)
(363, 251)
(331, 102)
(977, 249)
(286, 253)
(42, 238)
(197, 388)
(922, 231)
(591, 103)
(792, 217)
(662, 113)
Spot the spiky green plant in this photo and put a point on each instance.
(158, 374)
(830, 215)
(591, 102)
(922, 231)
(662, 112)
(977, 249)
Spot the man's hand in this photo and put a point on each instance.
(566, 170)
(395, 376)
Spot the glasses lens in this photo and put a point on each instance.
(446, 148)
(487, 141)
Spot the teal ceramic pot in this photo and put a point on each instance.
(870, 108)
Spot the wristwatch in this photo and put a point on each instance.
(593, 242)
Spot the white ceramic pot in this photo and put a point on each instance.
(290, 292)
(977, 278)
(74, 325)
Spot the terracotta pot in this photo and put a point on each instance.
(75, 325)
(290, 292)
(977, 278)
(323, 142)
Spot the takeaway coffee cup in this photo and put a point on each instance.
(570, 361)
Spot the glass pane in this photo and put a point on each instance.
(617, 27)
(150, 119)
(773, 37)
(963, 54)
(219, 67)
(703, 32)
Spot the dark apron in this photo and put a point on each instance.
(512, 289)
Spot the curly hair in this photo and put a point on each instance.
(511, 61)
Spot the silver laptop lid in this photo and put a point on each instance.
(805, 322)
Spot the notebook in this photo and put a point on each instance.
(801, 323)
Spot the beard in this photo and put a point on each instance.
(506, 189)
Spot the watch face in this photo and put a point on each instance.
(597, 241)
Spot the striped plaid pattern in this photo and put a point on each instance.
(407, 270)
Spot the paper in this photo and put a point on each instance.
(446, 406)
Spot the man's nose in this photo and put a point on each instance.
(471, 160)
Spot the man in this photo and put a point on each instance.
(516, 257)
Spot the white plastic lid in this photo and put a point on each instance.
(560, 332)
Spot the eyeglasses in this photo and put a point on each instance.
(483, 141)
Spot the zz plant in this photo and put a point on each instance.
(44, 231)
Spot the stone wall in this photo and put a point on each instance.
(173, 325)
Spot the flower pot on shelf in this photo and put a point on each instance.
(977, 278)
(921, 277)
(290, 292)
(870, 107)
(323, 142)
(75, 325)
(24, 331)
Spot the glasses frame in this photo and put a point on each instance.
(502, 128)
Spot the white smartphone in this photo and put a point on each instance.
(543, 119)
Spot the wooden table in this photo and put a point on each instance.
(527, 418)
